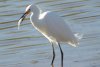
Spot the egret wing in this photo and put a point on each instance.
(56, 29)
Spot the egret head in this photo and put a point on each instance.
(29, 8)
(27, 11)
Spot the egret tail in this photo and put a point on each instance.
(75, 41)
(78, 36)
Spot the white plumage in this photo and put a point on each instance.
(51, 25)
(55, 29)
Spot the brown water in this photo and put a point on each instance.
(28, 48)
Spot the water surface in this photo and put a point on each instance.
(28, 48)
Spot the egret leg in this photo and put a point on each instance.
(61, 55)
(53, 55)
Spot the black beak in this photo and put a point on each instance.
(23, 17)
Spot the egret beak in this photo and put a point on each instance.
(23, 17)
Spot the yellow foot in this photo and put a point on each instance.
(52, 65)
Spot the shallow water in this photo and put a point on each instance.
(27, 47)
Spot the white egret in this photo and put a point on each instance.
(52, 26)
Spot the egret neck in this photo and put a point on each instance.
(35, 12)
